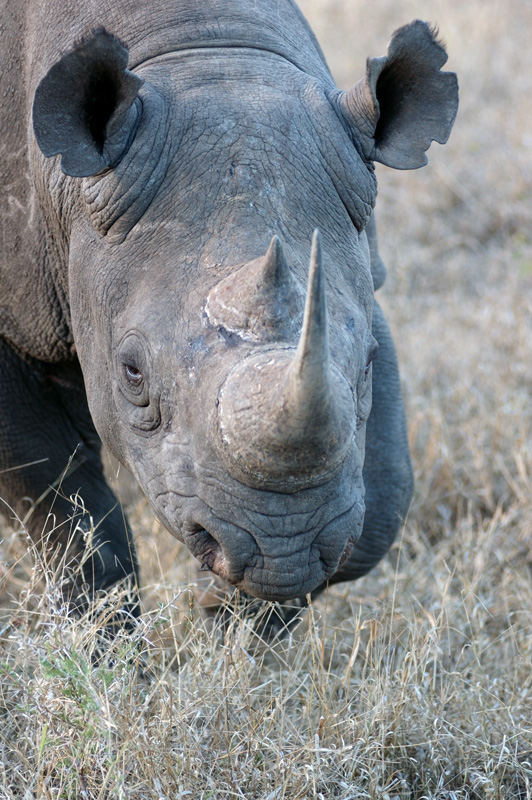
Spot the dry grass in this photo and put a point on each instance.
(416, 681)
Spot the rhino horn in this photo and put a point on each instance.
(275, 272)
(261, 300)
(288, 417)
(309, 381)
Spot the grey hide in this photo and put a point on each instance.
(188, 265)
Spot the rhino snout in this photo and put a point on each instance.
(290, 562)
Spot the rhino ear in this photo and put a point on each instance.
(405, 101)
(84, 106)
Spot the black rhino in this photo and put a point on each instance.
(188, 264)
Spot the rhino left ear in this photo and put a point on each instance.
(84, 106)
(405, 101)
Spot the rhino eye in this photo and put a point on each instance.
(133, 374)
(136, 389)
(133, 366)
(134, 384)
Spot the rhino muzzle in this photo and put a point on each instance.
(291, 564)
(287, 415)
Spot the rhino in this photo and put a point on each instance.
(189, 260)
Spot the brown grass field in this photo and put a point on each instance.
(416, 681)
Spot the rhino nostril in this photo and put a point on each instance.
(211, 556)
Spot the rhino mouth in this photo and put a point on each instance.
(264, 553)
(267, 577)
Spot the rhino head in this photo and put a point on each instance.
(213, 207)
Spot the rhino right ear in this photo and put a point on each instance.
(84, 107)
(405, 101)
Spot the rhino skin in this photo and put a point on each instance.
(188, 260)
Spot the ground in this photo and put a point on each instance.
(415, 681)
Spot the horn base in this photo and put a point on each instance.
(261, 301)
(274, 438)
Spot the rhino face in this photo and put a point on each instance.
(226, 344)
(249, 449)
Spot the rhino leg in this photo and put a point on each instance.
(387, 469)
(50, 457)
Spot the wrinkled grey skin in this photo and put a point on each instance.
(113, 312)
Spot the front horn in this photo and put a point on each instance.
(288, 417)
